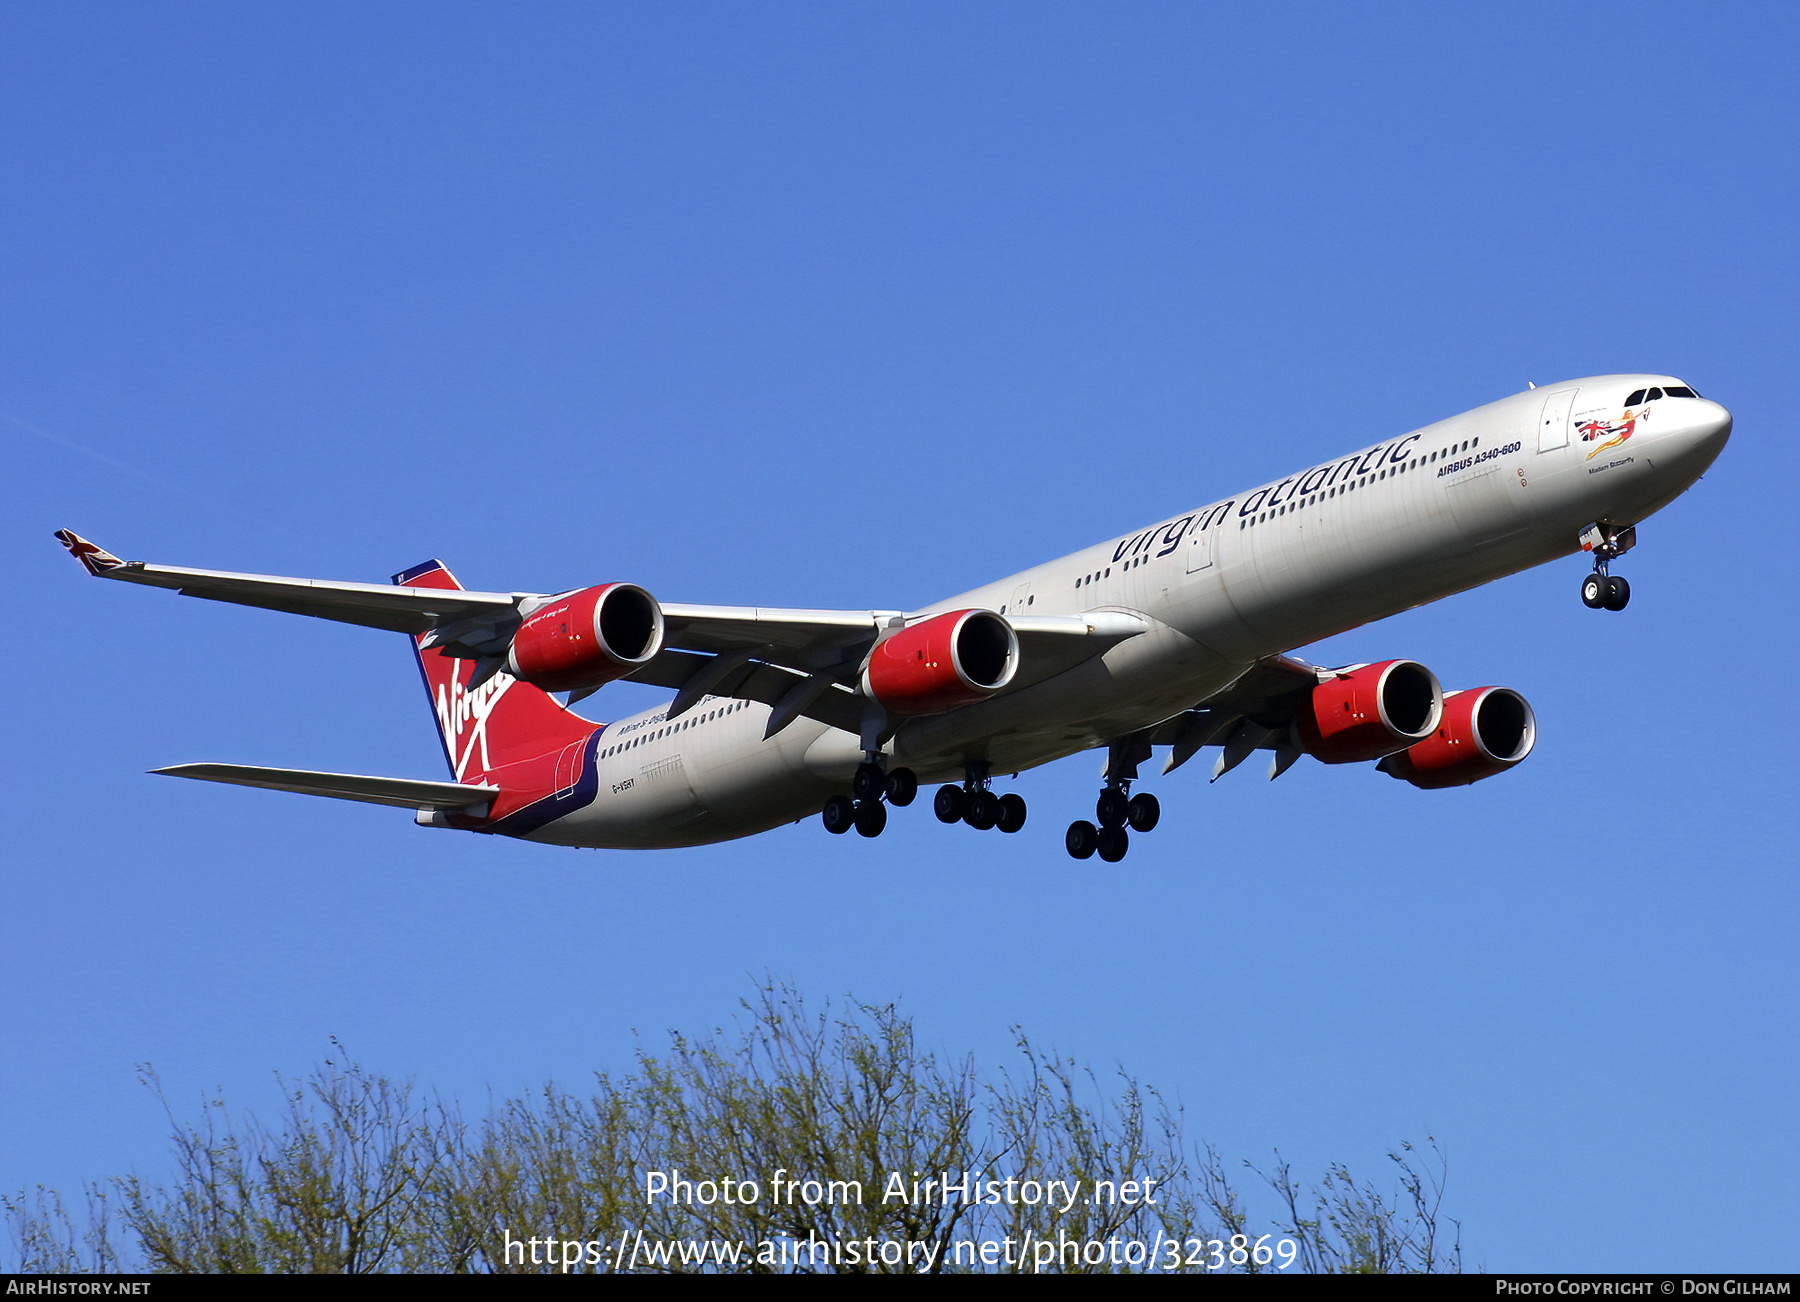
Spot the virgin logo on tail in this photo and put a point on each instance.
(458, 709)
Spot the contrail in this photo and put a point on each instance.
(101, 457)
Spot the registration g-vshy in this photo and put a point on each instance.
(1175, 636)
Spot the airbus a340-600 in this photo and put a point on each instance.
(1173, 636)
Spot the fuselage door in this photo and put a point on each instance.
(1200, 550)
(1553, 428)
(568, 765)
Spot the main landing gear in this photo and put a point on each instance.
(1600, 589)
(1117, 808)
(864, 809)
(973, 803)
(1114, 811)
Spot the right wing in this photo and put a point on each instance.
(1251, 713)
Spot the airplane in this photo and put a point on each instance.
(1177, 635)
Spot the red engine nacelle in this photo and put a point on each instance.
(1484, 731)
(587, 638)
(943, 662)
(1370, 712)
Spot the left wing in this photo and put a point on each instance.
(798, 662)
(373, 605)
(806, 662)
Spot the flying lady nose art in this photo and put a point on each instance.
(1610, 434)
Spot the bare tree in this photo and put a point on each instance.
(1343, 1226)
(794, 1141)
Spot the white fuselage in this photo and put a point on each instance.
(1448, 507)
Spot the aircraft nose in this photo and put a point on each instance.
(1699, 439)
(1710, 431)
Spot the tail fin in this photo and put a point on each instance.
(500, 722)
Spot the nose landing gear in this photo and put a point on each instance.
(1601, 590)
(1605, 591)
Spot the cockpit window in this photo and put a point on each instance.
(1651, 395)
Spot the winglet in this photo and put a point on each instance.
(94, 559)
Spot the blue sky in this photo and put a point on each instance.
(852, 306)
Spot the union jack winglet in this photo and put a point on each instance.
(96, 560)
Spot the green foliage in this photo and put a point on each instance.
(361, 1174)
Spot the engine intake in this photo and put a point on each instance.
(1370, 712)
(1484, 731)
(587, 638)
(943, 662)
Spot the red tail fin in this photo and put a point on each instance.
(500, 723)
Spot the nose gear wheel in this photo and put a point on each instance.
(1602, 590)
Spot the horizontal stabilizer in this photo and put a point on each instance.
(406, 793)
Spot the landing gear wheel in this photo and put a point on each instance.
(840, 812)
(1618, 592)
(902, 786)
(1112, 842)
(1593, 590)
(983, 810)
(1110, 809)
(871, 817)
(869, 783)
(1143, 812)
(1081, 840)
(1012, 812)
(948, 804)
